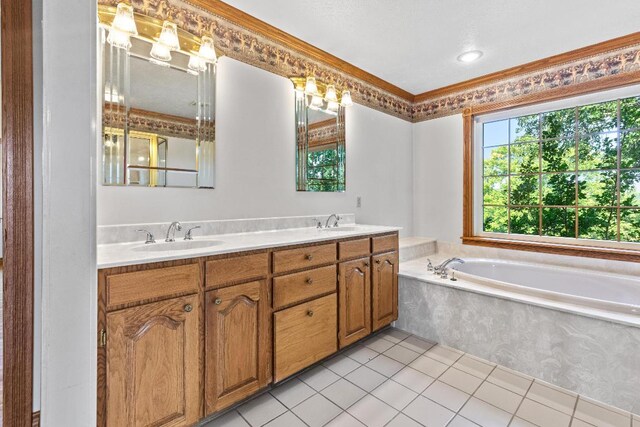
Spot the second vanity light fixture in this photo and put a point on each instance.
(123, 27)
(320, 95)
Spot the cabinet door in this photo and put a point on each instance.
(153, 354)
(385, 289)
(355, 301)
(238, 343)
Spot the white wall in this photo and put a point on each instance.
(69, 227)
(437, 184)
(255, 163)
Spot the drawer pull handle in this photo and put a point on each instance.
(218, 301)
(309, 257)
(309, 281)
(188, 308)
(310, 313)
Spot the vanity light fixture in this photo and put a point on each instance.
(311, 88)
(207, 50)
(346, 99)
(122, 27)
(470, 56)
(160, 52)
(316, 101)
(332, 98)
(169, 35)
(196, 64)
(119, 39)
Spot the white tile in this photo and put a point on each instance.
(288, 419)
(385, 365)
(498, 396)
(474, 366)
(519, 422)
(402, 354)
(484, 414)
(636, 421)
(444, 354)
(428, 366)
(412, 379)
(428, 412)
(361, 354)
(343, 393)
(231, 419)
(461, 380)
(542, 415)
(460, 421)
(394, 335)
(261, 410)
(372, 412)
(600, 415)
(317, 410)
(366, 378)
(510, 380)
(394, 394)
(345, 419)
(575, 422)
(401, 420)
(378, 344)
(447, 396)
(319, 377)
(292, 392)
(552, 397)
(341, 365)
(416, 344)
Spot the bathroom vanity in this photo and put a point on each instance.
(184, 338)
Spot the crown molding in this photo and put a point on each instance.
(250, 40)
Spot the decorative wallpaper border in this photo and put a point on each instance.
(323, 133)
(237, 42)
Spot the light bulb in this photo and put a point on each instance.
(333, 106)
(331, 95)
(197, 64)
(124, 21)
(161, 52)
(316, 101)
(119, 39)
(207, 50)
(169, 35)
(470, 56)
(346, 99)
(311, 88)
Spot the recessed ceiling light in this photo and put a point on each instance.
(470, 56)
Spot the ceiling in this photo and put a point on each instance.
(414, 44)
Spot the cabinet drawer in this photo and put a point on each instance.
(237, 269)
(305, 334)
(126, 288)
(297, 259)
(354, 249)
(385, 243)
(301, 286)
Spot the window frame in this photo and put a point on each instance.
(475, 117)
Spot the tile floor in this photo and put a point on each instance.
(399, 380)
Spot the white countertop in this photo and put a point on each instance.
(121, 254)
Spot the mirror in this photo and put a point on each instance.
(158, 118)
(320, 143)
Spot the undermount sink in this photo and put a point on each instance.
(178, 245)
(339, 228)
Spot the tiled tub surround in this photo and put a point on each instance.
(108, 234)
(416, 247)
(589, 351)
(396, 379)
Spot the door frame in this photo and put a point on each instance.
(17, 211)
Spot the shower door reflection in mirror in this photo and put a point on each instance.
(158, 119)
(320, 146)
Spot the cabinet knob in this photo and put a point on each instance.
(309, 281)
(218, 301)
(310, 313)
(188, 308)
(378, 261)
(309, 257)
(366, 264)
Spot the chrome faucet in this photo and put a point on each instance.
(335, 224)
(171, 232)
(150, 238)
(187, 235)
(442, 268)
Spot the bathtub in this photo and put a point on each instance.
(602, 291)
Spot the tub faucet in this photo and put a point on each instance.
(442, 268)
(335, 224)
(171, 232)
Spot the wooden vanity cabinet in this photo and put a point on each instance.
(354, 301)
(152, 364)
(384, 289)
(238, 343)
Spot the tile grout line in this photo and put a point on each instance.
(520, 404)
(470, 396)
(573, 414)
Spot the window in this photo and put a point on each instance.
(322, 169)
(565, 173)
